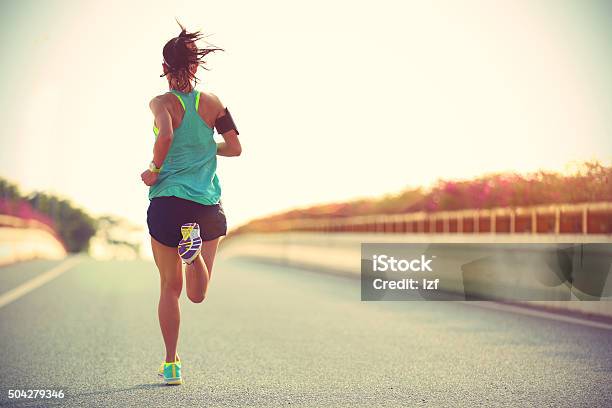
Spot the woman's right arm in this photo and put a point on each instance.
(230, 147)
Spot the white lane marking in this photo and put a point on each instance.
(541, 314)
(37, 282)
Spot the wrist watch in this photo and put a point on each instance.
(153, 168)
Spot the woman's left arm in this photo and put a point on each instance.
(163, 120)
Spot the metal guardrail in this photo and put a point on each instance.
(586, 218)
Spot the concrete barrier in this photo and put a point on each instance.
(21, 244)
(341, 253)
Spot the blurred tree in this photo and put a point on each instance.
(73, 225)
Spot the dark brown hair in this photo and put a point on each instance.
(180, 53)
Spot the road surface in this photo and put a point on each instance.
(274, 336)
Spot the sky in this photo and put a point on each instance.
(334, 100)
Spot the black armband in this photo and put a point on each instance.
(225, 123)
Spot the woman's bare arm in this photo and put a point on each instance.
(230, 146)
(163, 121)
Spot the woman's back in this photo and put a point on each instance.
(189, 170)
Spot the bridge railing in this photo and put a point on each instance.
(25, 239)
(586, 218)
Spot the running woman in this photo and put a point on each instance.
(185, 216)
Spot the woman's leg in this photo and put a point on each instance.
(171, 277)
(199, 272)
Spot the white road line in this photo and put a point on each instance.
(540, 314)
(38, 281)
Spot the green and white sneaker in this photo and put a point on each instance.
(172, 373)
(160, 372)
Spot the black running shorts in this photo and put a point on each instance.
(166, 215)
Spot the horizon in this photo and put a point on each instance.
(569, 170)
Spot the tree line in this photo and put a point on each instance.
(72, 224)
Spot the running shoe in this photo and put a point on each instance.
(160, 372)
(172, 373)
(190, 246)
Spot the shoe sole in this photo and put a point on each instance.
(194, 247)
(187, 228)
(189, 248)
(174, 382)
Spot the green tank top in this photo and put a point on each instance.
(190, 168)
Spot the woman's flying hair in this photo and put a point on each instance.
(181, 53)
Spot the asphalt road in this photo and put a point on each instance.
(274, 336)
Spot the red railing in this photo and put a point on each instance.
(586, 218)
